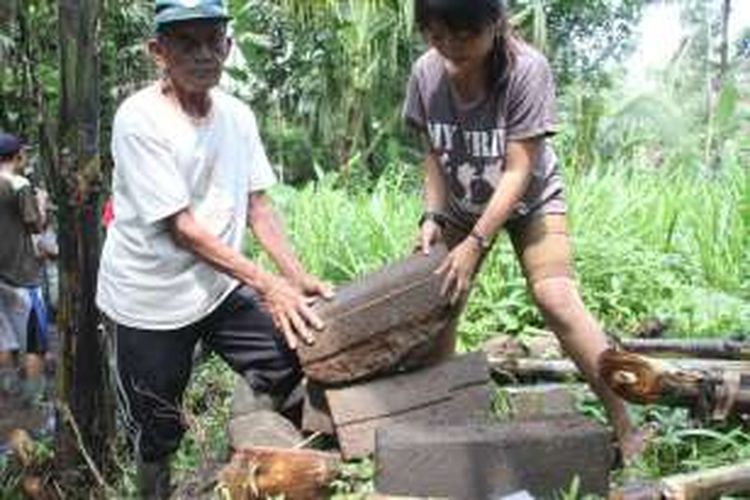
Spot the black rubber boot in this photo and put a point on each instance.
(153, 480)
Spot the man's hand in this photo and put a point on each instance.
(291, 311)
(311, 286)
(458, 269)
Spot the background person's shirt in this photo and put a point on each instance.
(166, 162)
(19, 213)
(470, 139)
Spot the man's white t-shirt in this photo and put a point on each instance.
(166, 162)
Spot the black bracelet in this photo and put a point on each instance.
(483, 242)
(436, 217)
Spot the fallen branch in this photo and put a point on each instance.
(713, 390)
(700, 348)
(68, 418)
(712, 483)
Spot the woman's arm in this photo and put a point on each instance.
(520, 159)
(461, 264)
(435, 201)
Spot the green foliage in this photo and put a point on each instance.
(322, 74)
(582, 39)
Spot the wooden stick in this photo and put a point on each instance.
(563, 369)
(693, 348)
(712, 483)
(68, 417)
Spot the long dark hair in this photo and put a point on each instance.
(474, 16)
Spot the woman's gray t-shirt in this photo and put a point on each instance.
(470, 140)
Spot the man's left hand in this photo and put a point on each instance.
(311, 286)
(458, 269)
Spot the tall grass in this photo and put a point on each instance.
(648, 243)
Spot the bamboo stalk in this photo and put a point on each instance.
(713, 483)
(699, 485)
(694, 348)
(562, 369)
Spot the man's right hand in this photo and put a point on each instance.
(291, 311)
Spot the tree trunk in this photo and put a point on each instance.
(87, 429)
(724, 49)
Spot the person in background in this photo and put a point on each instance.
(22, 312)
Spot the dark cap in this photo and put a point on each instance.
(172, 11)
(9, 144)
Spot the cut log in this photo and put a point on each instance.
(690, 348)
(715, 389)
(456, 391)
(489, 461)
(257, 473)
(712, 483)
(373, 324)
(513, 370)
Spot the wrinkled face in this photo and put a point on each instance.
(464, 51)
(192, 53)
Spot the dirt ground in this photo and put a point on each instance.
(13, 415)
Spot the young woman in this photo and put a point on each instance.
(485, 102)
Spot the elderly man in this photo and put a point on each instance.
(190, 176)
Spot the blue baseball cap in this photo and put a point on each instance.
(9, 144)
(172, 11)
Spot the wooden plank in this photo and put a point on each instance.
(472, 404)
(374, 323)
(455, 391)
(487, 461)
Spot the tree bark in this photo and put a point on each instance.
(83, 375)
(713, 390)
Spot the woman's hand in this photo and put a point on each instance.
(458, 269)
(291, 311)
(429, 234)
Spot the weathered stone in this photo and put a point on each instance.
(376, 322)
(542, 457)
(526, 402)
(455, 391)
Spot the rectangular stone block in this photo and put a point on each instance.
(471, 462)
(376, 322)
(456, 391)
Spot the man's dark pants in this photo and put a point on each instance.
(154, 366)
